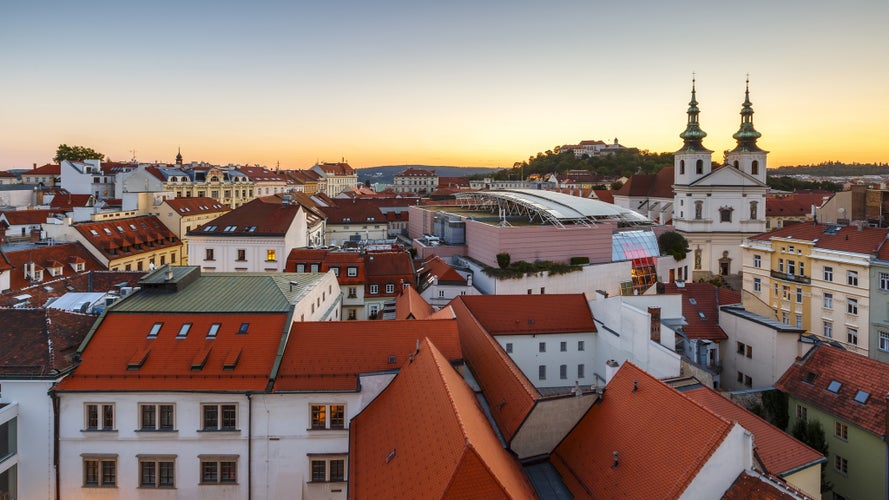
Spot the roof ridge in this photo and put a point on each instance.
(445, 382)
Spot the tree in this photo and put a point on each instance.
(503, 260)
(673, 244)
(76, 153)
(775, 404)
(812, 433)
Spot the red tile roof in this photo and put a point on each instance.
(410, 305)
(67, 201)
(327, 260)
(357, 213)
(426, 436)
(125, 237)
(797, 204)
(193, 363)
(261, 174)
(196, 206)
(509, 393)
(605, 195)
(336, 168)
(36, 341)
(89, 281)
(266, 216)
(748, 487)
(847, 239)
(531, 314)
(435, 267)
(329, 356)
(659, 185)
(21, 217)
(808, 380)
(702, 316)
(779, 452)
(66, 255)
(48, 169)
(416, 172)
(388, 267)
(453, 182)
(655, 459)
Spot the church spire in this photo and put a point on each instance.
(693, 135)
(179, 156)
(747, 135)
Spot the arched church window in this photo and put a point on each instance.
(754, 168)
(699, 167)
(681, 167)
(725, 214)
(736, 164)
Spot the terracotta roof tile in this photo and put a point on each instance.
(266, 216)
(48, 169)
(605, 195)
(329, 356)
(426, 436)
(531, 314)
(509, 393)
(36, 341)
(67, 201)
(357, 213)
(196, 206)
(624, 421)
(797, 204)
(700, 308)
(20, 217)
(68, 254)
(747, 487)
(780, 452)
(434, 267)
(808, 380)
(169, 363)
(847, 239)
(123, 237)
(410, 305)
(416, 172)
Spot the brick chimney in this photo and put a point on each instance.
(655, 313)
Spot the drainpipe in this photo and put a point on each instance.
(249, 445)
(55, 438)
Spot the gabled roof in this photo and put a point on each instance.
(435, 267)
(122, 355)
(186, 207)
(797, 204)
(700, 308)
(335, 168)
(780, 453)
(329, 356)
(509, 393)
(829, 237)
(392, 265)
(410, 305)
(639, 417)
(605, 195)
(531, 314)
(453, 182)
(48, 169)
(416, 172)
(357, 213)
(853, 376)
(22, 217)
(265, 216)
(89, 281)
(67, 201)
(37, 341)
(261, 174)
(659, 185)
(425, 435)
(125, 237)
(68, 255)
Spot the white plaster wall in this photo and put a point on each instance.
(733, 456)
(527, 356)
(36, 474)
(326, 298)
(606, 277)
(772, 352)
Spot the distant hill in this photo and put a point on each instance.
(833, 168)
(385, 174)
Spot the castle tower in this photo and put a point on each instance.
(747, 156)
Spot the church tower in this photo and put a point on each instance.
(179, 157)
(747, 156)
(693, 161)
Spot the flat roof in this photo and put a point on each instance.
(552, 206)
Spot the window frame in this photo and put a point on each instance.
(840, 431)
(828, 273)
(100, 471)
(757, 261)
(157, 461)
(220, 418)
(219, 462)
(852, 278)
(374, 289)
(327, 462)
(883, 340)
(329, 412)
(158, 414)
(884, 281)
(101, 422)
(851, 335)
(757, 284)
(827, 327)
(852, 307)
(827, 301)
(271, 255)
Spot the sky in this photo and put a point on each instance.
(467, 83)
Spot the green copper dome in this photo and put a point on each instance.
(693, 135)
(747, 135)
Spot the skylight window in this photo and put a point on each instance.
(834, 386)
(861, 396)
(701, 315)
(93, 232)
(692, 301)
(183, 331)
(209, 229)
(120, 228)
(244, 328)
(155, 328)
(214, 328)
(132, 227)
(107, 231)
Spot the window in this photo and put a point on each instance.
(852, 307)
(699, 167)
(219, 469)
(242, 254)
(884, 281)
(580, 345)
(183, 330)
(390, 288)
(740, 348)
(208, 254)
(828, 301)
(785, 290)
(799, 295)
(754, 170)
(353, 292)
(351, 271)
(780, 265)
(828, 273)
(100, 471)
(155, 328)
(757, 284)
(563, 372)
(841, 465)
(214, 329)
(374, 289)
(802, 412)
(841, 430)
(749, 353)
(799, 320)
(99, 417)
(336, 271)
(270, 255)
(243, 328)
(328, 416)
(861, 396)
(681, 167)
(725, 215)
(757, 261)
(699, 210)
(802, 268)
(581, 371)
(884, 341)
(852, 336)
(834, 386)
(314, 267)
(791, 267)
(563, 346)
(156, 417)
(541, 372)
(828, 329)
(852, 278)
(509, 347)
(157, 472)
(541, 347)
(328, 469)
(219, 417)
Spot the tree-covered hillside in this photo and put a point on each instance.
(621, 163)
(833, 168)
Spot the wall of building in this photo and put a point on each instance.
(772, 352)
(548, 423)
(36, 474)
(879, 313)
(733, 456)
(527, 355)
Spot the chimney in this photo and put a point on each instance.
(611, 367)
(655, 313)
(35, 166)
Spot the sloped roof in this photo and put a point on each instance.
(605, 195)
(89, 281)
(67, 201)
(453, 182)
(36, 341)
(21, 217)
(336, 168)
(656, 460)
(808, 380)
(186, 207)
(410, 305)
(700, 308)
(329, 356)
(425, 436)
(531, 314)
(261, 174)
(416, 172)
(123, 237)
(779, 452)
(353, 213)
(435, 267)
(797, 204)
(47, 169)
(67, 254)
(265, 216)
(659, 185)
(388, 264)
(509, 393)
(747, 487)
(846, 239)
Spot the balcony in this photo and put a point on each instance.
(791, 277)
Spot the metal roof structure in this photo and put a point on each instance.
(548, 207)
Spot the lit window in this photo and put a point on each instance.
(157, 472)
(100, 471)
(99, 417)
(219, 417)
(328, 416)
(156, 417)
(219, 469)
(270, 255)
